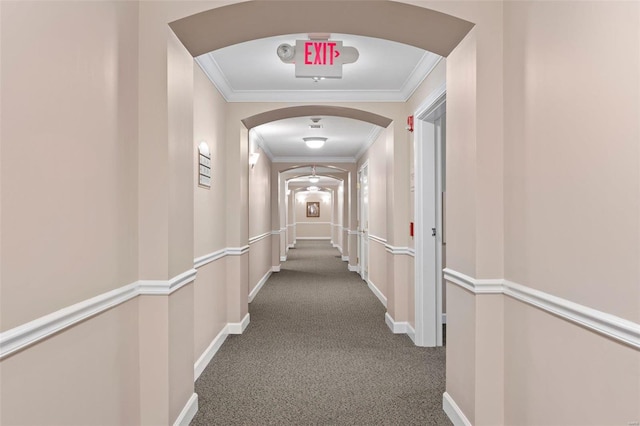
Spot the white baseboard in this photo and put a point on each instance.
(238, 327)
(345, 258)
(411, 333)
(290, 246)
(377, 292)
(188, 412)
(283, 258)
(353, 268)
(259, 286)
(396, 327)
(444, 318)
(454, 412)
(209, 353)
(275, 268)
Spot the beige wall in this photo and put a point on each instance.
(259, 219)
(572, 165)
(313, 227)
(69, 207)
(69, 157)
(87, 374)
(210, 311)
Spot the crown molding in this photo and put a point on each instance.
(423, 68)
(371, 138)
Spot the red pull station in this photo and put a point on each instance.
(411, 229)
(410, 123)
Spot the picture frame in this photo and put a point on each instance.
(313, 208)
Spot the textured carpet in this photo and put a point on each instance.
(317, 351)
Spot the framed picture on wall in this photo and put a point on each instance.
(313, 208)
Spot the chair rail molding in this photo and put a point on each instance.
(609, 325)
(27, 334)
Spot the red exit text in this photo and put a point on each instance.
(320, 52)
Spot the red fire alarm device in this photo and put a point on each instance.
(411, 229)
(410, 123)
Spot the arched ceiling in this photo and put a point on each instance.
(238, 42)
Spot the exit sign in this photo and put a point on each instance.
(319, 58)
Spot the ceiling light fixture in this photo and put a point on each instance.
(314, 142)
(313, 188)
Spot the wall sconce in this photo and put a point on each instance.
(253, 159)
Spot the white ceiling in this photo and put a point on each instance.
(385, 71)
(347, 139)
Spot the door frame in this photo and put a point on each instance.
(363, 247)
(427, 215)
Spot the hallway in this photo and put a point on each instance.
(317, 351)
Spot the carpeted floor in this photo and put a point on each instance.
(318, 352)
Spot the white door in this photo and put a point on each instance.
(363, 220)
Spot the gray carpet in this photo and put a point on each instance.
(318, 352)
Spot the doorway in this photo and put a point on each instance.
(429, 148)
(363, 221)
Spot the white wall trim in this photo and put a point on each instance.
(238, 327)
(356, 232)
(408, 251)
(283, 258)
(237, 251)
(257, 238)
(454, 412)
(377, 239)
(396, 327)
(606, 324)
(209, 353)
(483, 286)
(314, 238)
(259, 286)
(444, 318)
(208, 258)
(275, 268)
(188, 412)
(377, 292)
(166, 287)
(411, 333)
(353, 268)
(31, 332)
(199, 262)
(316, 160)
(345, 258)
(290, 246)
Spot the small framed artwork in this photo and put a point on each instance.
(313, 208)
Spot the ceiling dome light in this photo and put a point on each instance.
(313, 188)
(314, 179)
(314, 142)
